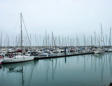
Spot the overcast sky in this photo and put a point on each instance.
(58, 16)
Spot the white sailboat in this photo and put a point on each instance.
(21, 57)
(99, 51)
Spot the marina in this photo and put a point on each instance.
(43, 53)
(55, 43)
(23, 53)
(14, 58)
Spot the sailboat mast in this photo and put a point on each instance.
(110, 37)
(21, 31)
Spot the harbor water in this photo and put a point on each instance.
(85, 70)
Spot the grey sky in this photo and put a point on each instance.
(59, 16)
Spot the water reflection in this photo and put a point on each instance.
(88, 70)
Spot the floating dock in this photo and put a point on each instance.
(59, 56)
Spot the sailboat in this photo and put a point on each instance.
(100, 49)
(21, 57)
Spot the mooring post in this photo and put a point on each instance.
(65, 53)
(110, 84)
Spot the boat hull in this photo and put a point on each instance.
(17, 59)
(98, 52)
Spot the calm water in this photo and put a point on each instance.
(88, 70)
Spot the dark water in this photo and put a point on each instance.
(88, 70)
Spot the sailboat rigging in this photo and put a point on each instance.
(21, 57)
